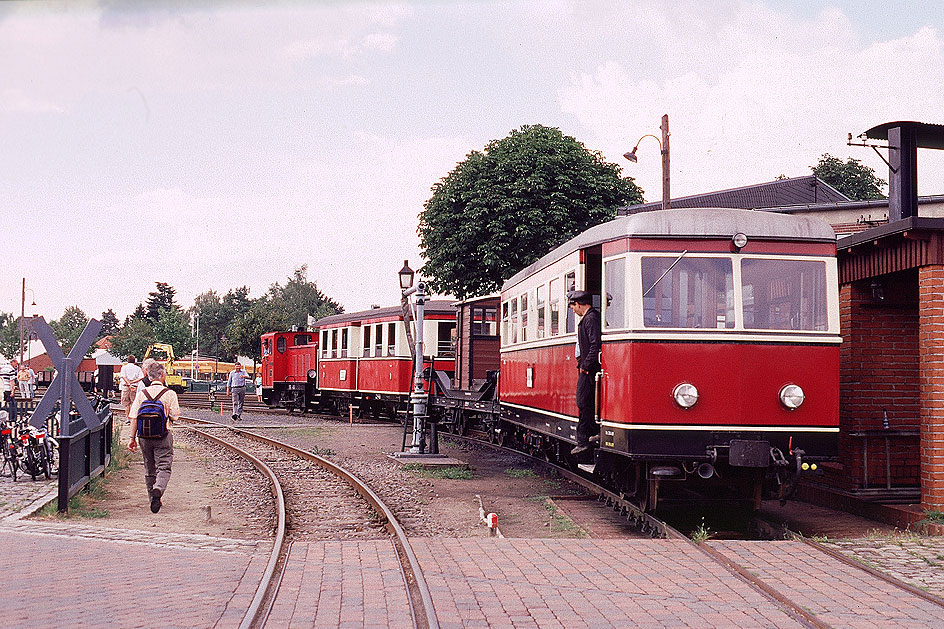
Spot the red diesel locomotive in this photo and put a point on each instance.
(720, 349)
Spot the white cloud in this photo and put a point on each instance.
(761, 95)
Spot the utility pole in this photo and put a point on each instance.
(22, 317)
(665, 162)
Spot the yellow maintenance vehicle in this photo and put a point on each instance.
(164, 354)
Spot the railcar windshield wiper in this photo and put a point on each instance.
(666, 272)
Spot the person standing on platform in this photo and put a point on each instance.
(8, 375)
(128, 379)
(258, 383)
(24, 378)
(157, 451)
(236, 386)
(588, 365)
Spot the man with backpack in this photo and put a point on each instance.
(152, 413)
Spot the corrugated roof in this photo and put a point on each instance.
(929, 136)
(779, 193)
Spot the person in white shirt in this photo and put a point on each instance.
(128, 379)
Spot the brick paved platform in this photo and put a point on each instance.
(64, 576)
(837, 593)
(342, 584)
(586, 583)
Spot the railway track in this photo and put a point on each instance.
(651, 525)
(342, 507)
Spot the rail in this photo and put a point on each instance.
(420, 598)
(265, 587)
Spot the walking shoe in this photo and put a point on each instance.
(235, 417)
(595, 439)
(155, 500)
(580, 449)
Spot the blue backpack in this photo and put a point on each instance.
(152, 418)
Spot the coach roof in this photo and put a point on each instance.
(432, 307)
(690, 223)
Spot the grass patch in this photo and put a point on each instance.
(560, 523)
(80, 505)
(520, 473)
(314, 431)
(702, 533)
(451, 473)
(321, 451)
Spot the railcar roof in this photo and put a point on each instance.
(434, 306)
(690, 223)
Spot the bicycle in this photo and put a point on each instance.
(9, 447)
(35, 445)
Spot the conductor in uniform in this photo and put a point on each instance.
(588, 365)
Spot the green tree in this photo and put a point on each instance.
(501, 209)
(139, 313)
(9, 336)
(68, 328)
(110, 323)
(242, 336)
(852, 178)
(173, 327)
(160, 300)
(291, 304)
(135, 337)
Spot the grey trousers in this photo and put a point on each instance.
(239, 395)
(158, 456)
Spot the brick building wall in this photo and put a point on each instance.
(879, 369)
(931, 346)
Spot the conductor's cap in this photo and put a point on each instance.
(579, 297)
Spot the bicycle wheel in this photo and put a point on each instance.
(44, 459)
(14, 459)
(32, 465)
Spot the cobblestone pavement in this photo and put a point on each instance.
(916, 560)
(17, 498)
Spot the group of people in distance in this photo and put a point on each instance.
(16, 377)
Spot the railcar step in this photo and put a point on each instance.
(587, 467)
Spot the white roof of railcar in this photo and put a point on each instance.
(689, 223)
(432, 307)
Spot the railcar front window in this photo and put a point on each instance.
(378, 340)
(365, 341)
(514, 320)
(615, 310)
(539, 298)
(391, 339)
(694, 293)
(280, 344)
(344, 343)
(784, 294)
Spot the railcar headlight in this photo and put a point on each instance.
(791, 396)
(739, 241)
(685, 395)
(312, 374)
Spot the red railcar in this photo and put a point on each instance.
(366, 360)
(720, 349)
(289, 369)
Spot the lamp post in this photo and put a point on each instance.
(664, 146)
(418, 397)
(195, 364)
(23, 313)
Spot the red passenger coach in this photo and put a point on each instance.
(366, 359)
(289, 362)
(720, 349)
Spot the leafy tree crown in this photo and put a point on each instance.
(503, 208)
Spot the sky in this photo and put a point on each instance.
(213, 145)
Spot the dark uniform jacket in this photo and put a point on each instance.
(588, 340)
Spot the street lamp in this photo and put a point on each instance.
(406, 276)
(664, 146)
(418, 397)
